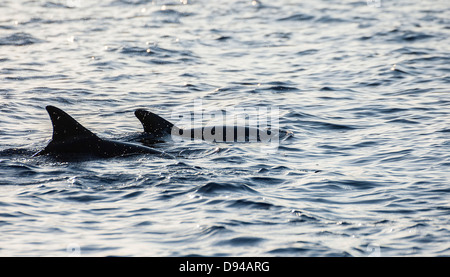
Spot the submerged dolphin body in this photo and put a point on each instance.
(156, 128)
(70, 139)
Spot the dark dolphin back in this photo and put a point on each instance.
(153, 123)
(64, 126)
(72, 140)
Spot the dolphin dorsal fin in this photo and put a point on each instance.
(64, 126)
(153, 123)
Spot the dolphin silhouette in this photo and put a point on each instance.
(71, 139)
(158, 128)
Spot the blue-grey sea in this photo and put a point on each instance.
(362, 87)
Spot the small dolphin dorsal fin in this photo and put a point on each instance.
(64, 126)
(153, 123)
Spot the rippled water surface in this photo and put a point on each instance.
(363, 87)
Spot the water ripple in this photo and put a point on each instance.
(19, 39)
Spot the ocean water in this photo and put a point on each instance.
(361, 86)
